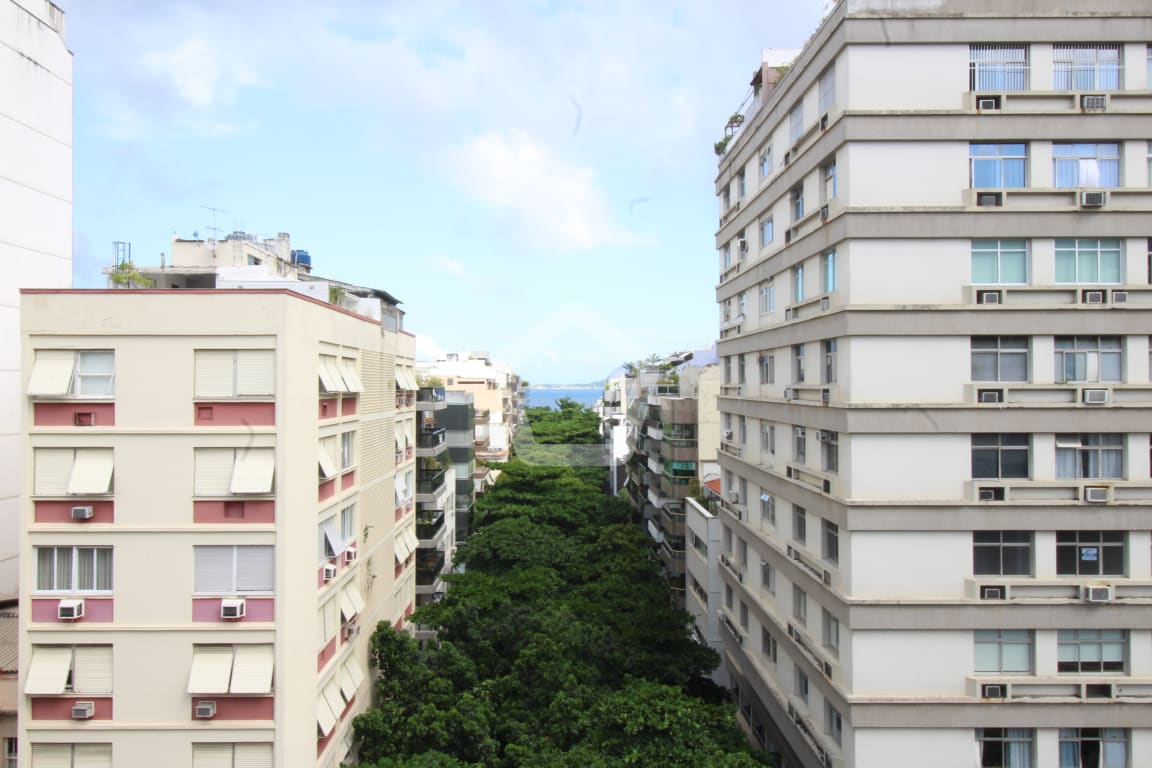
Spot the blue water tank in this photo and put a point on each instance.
(301, 258)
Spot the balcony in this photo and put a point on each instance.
(430, 482)
(431, 442)
(429, 565)
(429, 524)
(431, 399)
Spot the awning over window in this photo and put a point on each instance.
(332, 696)
(413, 542)
(403, 548)
(91, 472)
(92, 670)
(48, 672)
(406, 379)
(211, 669)
(354, 671)
(330, 378)
(325, 717)
(332, 536)
(327, 465)
(354, 597)
(347, 684)
(351, 376)
(52, 372)
(252, 669)
(254, 470)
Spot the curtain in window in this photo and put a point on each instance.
(1066, 462)
(999, 67)
(93, 568)
(46, 572)
(1069, 755)
(1018, 754)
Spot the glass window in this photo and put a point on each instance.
(1090, 553)
(831, 542)
(796, 202)
(1088, 358)
(1000, 358)
(728, 599)
(1090, 456)
(768, 645)
(767, 369)
(833, 723)
(799, 605)
(1004, 651)
(348, 523)
(95, 373)
(998, 262)
(830, 180)
(768, 438)
(798, 284)
(1000, 455)
(766, 231)
(828, 268)
(798, 363)
(1086, 165)
(796, 123)
(827, 89)
(829, 373)
(1089, 261)
(1005, 747)
(347, 449)
(1093, 748)
(765, 162)
(830, 451)
(1081, 67)
(235, 569)
(767, 512)
(998, 67)
(1002, 553)
(1091, 650)
(998, 166)
(799, 524)
(74, 569)
(802, 685)
(799, 445)
(743, 615)
(727, 540)
(741, 187)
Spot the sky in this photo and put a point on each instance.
(534, 179)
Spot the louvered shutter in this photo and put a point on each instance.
(253, 756)
(215, 373)
(52, 373)
(332, 696)
(211, 756)
(214, 570)
(351, 376)
(354, 596)
(51, 756)
(254, 470)
(91, 471)
(255, 568)
(330, 379)
(211, 669)
(327, 465)
(92, 756)
(92, 670)
(354, 670)
(252, 669)
(347, 684)
(325, 717)
(53, 468)
(255, 372)
(213, 471)
(48, 672)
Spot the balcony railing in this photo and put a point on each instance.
(428, 526)
(428, 567)
(430, 395)
(432, 438)
(430, 482)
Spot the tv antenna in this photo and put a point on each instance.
(214, 229)
(123, 251)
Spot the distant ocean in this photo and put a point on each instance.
(546, 398)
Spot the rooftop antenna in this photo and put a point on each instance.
(214, 229)
(123, 251)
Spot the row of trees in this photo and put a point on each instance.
(559, 647)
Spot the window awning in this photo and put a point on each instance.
(351, 376)
(332, 536)
(252, 669)
(211, 669)
(330, 378)
(347, 684)
(332, 696)
(48, 672)
(327, 465)
(405, 379)
(351, 603)
(325, 717)
(91, 471)
(253, 471)
(413, 542)
(353, 593)
(52, 372)
(403, 548)
(354, 670)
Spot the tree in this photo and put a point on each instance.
(126, 275)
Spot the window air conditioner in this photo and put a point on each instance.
(988, 103)
(989, 199)
(823, 213)
(734, 496)
(350, 555)
(1093, 102)
(991, 493)
(1095, 494)
(83, 513)
(991, 395)
(351, 630)
(1093, 297)
(206, 710)
(1097, 594)
(993, 691)
(788, 393)
(1119, 297)
(70, 610)
(83, 710)
(232, 609)
(727, 434)
(1094, 396)
(329, 572)
(993, 592)
(742, 245)
(825, 302)
(1093, 199)
(824, 122)
(989, 297)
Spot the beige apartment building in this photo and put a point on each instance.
(497, 398)
(933, 240)
(218, 497)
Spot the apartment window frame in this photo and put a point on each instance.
(830, 542)
(1079, 746)
(1004, 651)
(1090, 456)
(803, 685)
(1091, 553)
(998, 67)
(830, 355)
(1089, 359)
(833, 723)
(767, 369)
(743, 615)
(741, 369)
(769, 648)
(1086, 165)
(1006, 747)
(74, 374)
(798, 372)
(799, 525)
(253, 552)
(64, 574)
(1087, 67)
(999, 261)
(829, 276)
(767, 510)
(244, 374)
(830, 452)
(1092, 651)
(347, 450)
(830, 632)
(799, 605)
(796, 202)
(348, 522)
(767, 231)
(798, 284)
(1089, 260)
(729, 598)
(741, 185)
(796, 123)
(727, 538)
(1002, 553)
(826, 89)
(1000, 358)
(11, 752)
(800, 445)
(997, 165)
(828, 174)
(1001, 455)
(766, 161)
(771, 441)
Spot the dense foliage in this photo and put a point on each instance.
(569, 423)
(559, 647)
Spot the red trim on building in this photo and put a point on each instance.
(99, 609)
(61, 511)
(348, 479)
(348, 405)
(239, 511)
(74, 414)
(234, 414)
(326, 654)
(328, 409)
(60, 708)
(327, 489)
(238, 707)
(255, 609)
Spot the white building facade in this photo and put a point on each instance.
(935, 305)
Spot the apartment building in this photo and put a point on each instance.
(435, 497)
(935, 305)
(497, 398)
(208, 517)
(459, 420)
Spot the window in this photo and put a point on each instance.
(725, 199)
(802, 685)
(998, 166)
(1086, 67)
(799, 605)
(768, 645)
(348, 523)
(241, 668)
(700, 545)
(1090, 456)
(1003, 651)
(829, 171)
(727, 364)
(741, 551)
(726, 255)
(743, 615)
(742, 484)
(741, 187)
(84, 670)
(796, 202)
(796, 123)
(766, 231)
(765, 162)
(1005, 747)
(1002, 553)
(799, 524)
(1086, 165)
(767, 510)
(741, 371)
(1093, 747)
(829, 373)
(742, 428)
(828, 271)
(998, 67)
(798, 363)
(833, 723)
(347, 449)
(1000, 262)
(1000, 358)
(728, 601)
(330, 541)
(1089, 261)
(1091, 650)
(831, 542)
(771, 438)
(831, 630)
(1088, 358)
(830, 451)
(767, 369)
(1090, 553)
(227, 373)
(799, 445)
(827, 89)
(74, 569)
(72, 471)
(1000, 455)
(238, 755)
(798, 284)
(227, 471)
(728, 535)
(73, 373)
(11, 753)
(234, 569)
(71, 755)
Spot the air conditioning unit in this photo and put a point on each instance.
(993, 691)
(329, 572)
(824, 122)
(1095, 494)
(988, 103)
(991, 395)
(351, 630)
(989, 297)
(788, 393)
(232, 609)
(787, 236)
(742, 245)
(1093, 199)
(70, 610)
(83, 710)
(823, 213)
(350, 555)
(206, 710)
(1097, 594)
(1094, 396)
(734, 496)
(1119, 297)
(821, 436)
(990, 493)
(989, 199)
(825, 396)
(993, 592)
(1093, 102)
(83, 513)
(825, 302)
(727, 434)
(787, 157)
(789, 313)
(1093, 297)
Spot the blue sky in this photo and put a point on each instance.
(530, 178)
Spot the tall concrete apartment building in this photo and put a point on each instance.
(497, 398)
(935, 313)
(211, 511)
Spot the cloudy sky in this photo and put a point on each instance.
(531, 178)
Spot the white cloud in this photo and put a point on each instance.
(200, 73)
(451, 266)
(558, 204)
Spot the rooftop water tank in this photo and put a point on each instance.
(302, 260)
